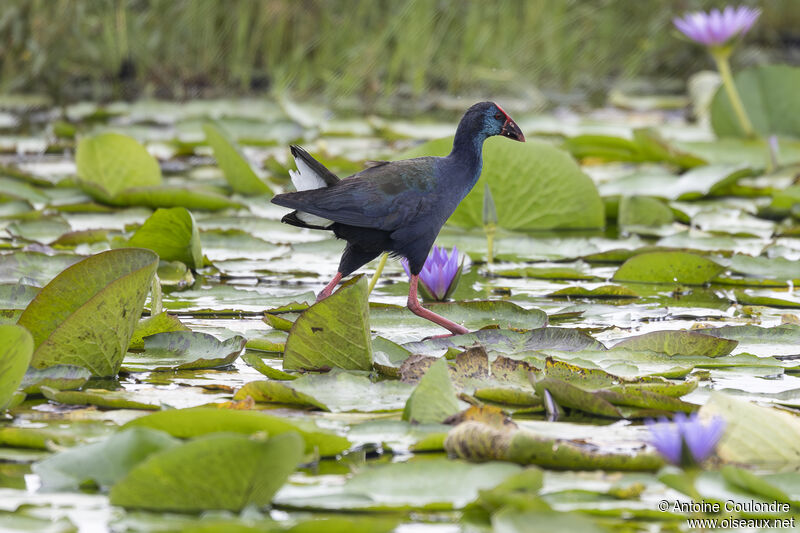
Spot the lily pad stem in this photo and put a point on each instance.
(721, 55)
(377, 274)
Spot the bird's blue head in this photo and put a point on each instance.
(490, 119)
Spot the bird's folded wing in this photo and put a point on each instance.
(385, 197)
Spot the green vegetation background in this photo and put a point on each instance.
(357, 52)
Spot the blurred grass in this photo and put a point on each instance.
(350, 49)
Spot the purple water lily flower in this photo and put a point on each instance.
(439, 275)
(686, 441)
(716, 27)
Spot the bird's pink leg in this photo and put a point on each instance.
(329, 287)
(417, 309)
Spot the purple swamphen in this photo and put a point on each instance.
(398, 206)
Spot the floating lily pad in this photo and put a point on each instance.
(173, 235)
(604, 291)
(33, 267)
(160, 323)
(643, 211)
(668, 267)
(211, 472)
(87, 314)
(679, 342)
(337, 391)
(538, 185)
(98, 397)
(472, 315)
(333, 333)
(233, 164)
(185, 423)
(184, 350)
(430, 484)
(506, 341)
(16, 348)
(59, 377)
(103, 463)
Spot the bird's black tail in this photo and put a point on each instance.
(310, 174)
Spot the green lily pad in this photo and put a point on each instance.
(16, 295)
(537, 185)
(33, 267)
(337, 391)
(16, 348)
(646, 145)
(509, 520)
(668, 267)
(769, 97)
(197, 198)
(186, 423)
(160, 323)
(333, 333)
(472, 315)
(87, 314)
(211, 472)
(559, 272)
(604, 291)
(434, 399)
(115, 162)
(695, 183)
(568, 395)
(679, 342)
(255, 361)
(506, 341)
(765, 267)
(59, 377)
(173, 235)
(98, 397)
(429, 484)
(643, 211)
(103, 463)
(237, 170)
(184, 350)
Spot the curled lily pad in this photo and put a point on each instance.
(160, 323)
(87, 314)
(59, 377)
(173, 235)
(233, 164)
(183, 350)
(337, 391)
(333, 333)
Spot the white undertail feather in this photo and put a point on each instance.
(305, 179)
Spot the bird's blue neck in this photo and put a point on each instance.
(467, 150)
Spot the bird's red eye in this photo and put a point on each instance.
(498, 115)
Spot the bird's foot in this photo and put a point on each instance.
(328, 290)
